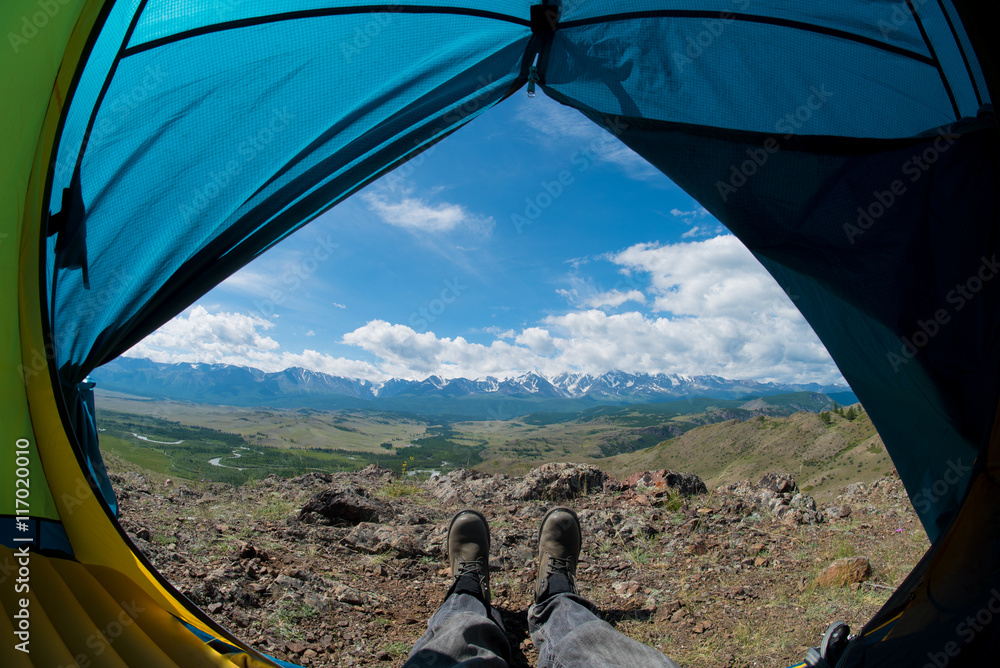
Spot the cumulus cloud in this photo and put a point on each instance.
(237, 338)
(708, 308)
(537, 340)
(406, 353)
(711, 278)
(397, 207)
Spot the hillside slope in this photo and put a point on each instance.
(822, 456)
(714, 579)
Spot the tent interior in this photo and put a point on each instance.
(905, 90)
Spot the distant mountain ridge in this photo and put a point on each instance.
(226, 384)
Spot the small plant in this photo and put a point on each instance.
(287, 617)
(397, 649)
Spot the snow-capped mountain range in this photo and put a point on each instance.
(244, 386)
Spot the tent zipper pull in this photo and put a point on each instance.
(532, 80)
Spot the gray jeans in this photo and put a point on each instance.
(463, 633)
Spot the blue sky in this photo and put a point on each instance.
(530, 240)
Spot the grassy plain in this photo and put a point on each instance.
(722, 441)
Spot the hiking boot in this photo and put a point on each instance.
(469, 554)
(559, 540)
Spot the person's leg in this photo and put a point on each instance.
(563, 625)
(567, 632)
(465, 632)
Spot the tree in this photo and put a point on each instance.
(825, 417)
(851, 413)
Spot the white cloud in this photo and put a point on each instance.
(396, 207)
(711, 278)
(339, 305)
(235, 338)
(499, 332)
(701, 222)
(614, 298)
(405, 353)
(310, 333)
(714, 310)
(537, 340)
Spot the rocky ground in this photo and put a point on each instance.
(345, 569)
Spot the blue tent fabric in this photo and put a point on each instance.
(850, 145)
(863, 286)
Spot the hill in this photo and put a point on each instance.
(825, 451)
(718, 579)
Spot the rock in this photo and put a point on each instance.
(626, 589)
(779, 483)
(803, 502)
(348, 595)
(344, 506)
(463, 486)
(406, 541)
(844, 572)
(854, 489)
(283, 582)
(559, 481)
(663, 481)
(317, 602)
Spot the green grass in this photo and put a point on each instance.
(143, 455)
